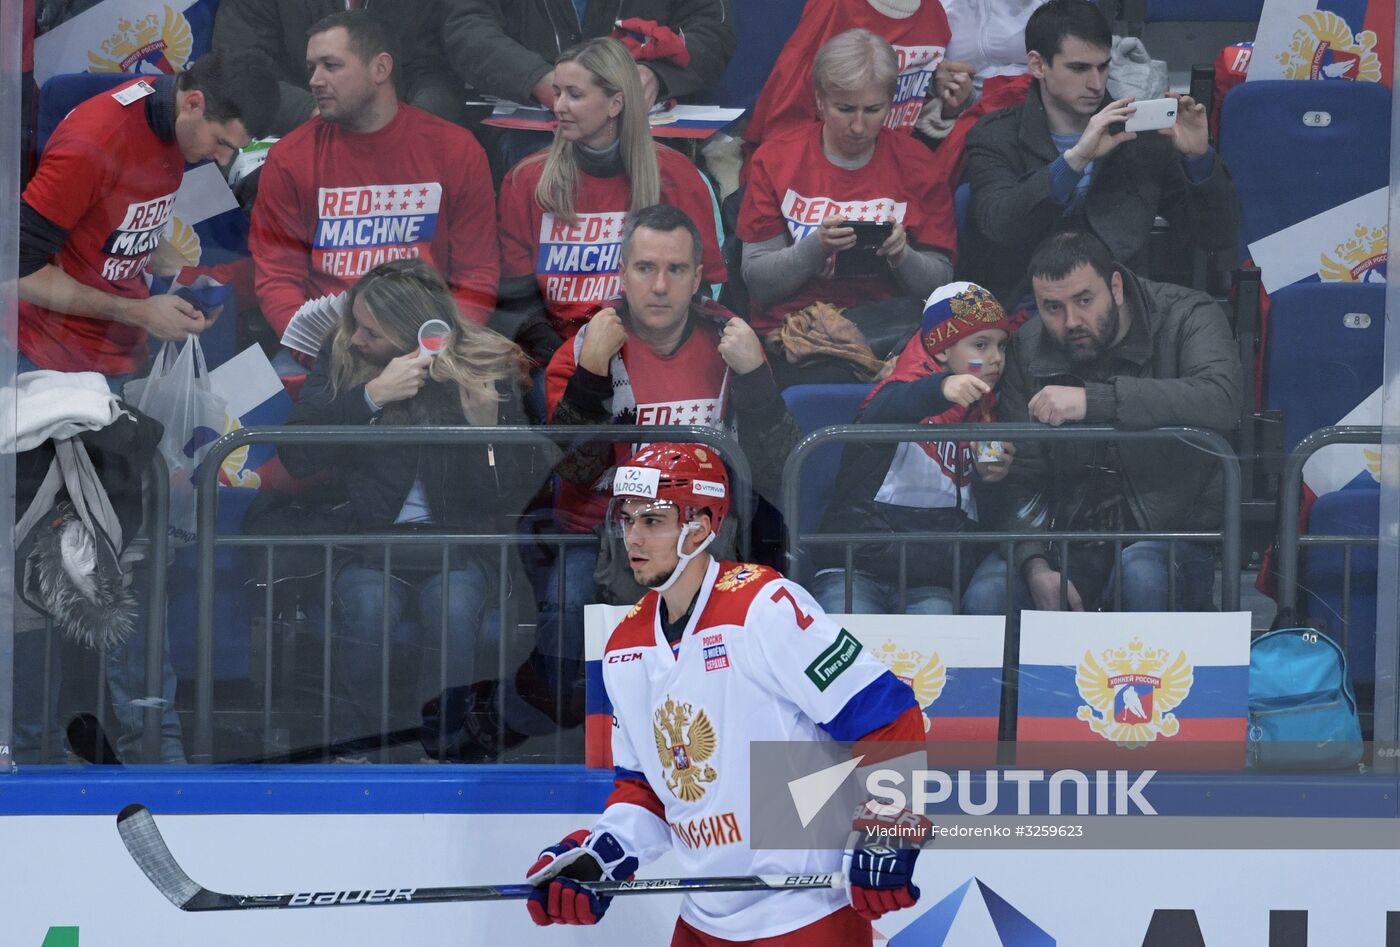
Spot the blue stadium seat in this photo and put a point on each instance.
(61, 93)
(814, 407)
(1353, 510)
(1319, 367)
(1285, 171)
(962, 200)
(1224, 10)
(762, 29)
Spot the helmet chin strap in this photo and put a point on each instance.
(685, 558)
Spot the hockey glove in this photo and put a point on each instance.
(558, 897)
(881, 875)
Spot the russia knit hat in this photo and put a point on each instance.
(960, 309)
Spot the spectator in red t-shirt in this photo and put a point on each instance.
(92, 217)
(917, 29)
(808, 185)
(367, 180)
(91, 221)
(562, 210)
(655, 354)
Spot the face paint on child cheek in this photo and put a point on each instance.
(975, 366)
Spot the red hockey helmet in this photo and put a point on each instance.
(690, 476)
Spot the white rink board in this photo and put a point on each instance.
(73, 871)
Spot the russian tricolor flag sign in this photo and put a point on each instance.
(598, 624)
(1146, 688)
(952, 663)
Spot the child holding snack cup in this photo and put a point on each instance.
(947, 374)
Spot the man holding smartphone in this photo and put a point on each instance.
(1065, 159)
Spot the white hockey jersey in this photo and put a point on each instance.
(759, 660)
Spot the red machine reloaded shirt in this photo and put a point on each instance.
(332, 205)
(689, 386)
(110, 182)
(787, 102)
(793, 187)
(576, 266)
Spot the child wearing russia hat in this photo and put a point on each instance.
(946, 374)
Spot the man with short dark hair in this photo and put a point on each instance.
(95, 211)
(279, 29)
(91, 221)
(369, 179)
(659, 355)
(1062, 160)
(1111, 348)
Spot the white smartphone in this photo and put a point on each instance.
(1151, 114)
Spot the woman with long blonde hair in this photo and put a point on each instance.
(370, 372)
(562, 209)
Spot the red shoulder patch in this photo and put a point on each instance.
(734, 591)
(638, 629)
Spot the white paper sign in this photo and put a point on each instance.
(1302, 39)
(1344, 244)
(1334, 467)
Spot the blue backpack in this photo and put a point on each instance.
(1302, 713)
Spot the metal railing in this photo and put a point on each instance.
(1289, 538)
(1228, 536)
(553, 438)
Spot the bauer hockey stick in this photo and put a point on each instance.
(143, 840)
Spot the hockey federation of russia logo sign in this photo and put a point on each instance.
(162, 41)
(1360, 259)
(1324, 47)
(1129, 692)
(924, 673)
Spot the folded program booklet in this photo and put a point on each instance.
(313, 323)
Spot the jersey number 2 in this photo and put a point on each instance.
(803, 621)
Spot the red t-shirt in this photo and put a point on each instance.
(576, 267)
(334, 204)
(787, 100)
(792, 187)
(689, 386)
(110, 182)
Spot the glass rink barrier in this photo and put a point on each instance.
(422, 645)
(493, 638)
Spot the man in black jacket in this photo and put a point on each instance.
(1110, 348)
(507, 48)
(1062, 160)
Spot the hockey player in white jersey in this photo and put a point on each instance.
(716, 655)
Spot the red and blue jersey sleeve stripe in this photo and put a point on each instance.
(876, 705)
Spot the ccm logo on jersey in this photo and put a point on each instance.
(636, 482)
(624, 657)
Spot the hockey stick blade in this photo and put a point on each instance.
(143, 840)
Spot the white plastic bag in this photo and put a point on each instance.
(177, 394)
